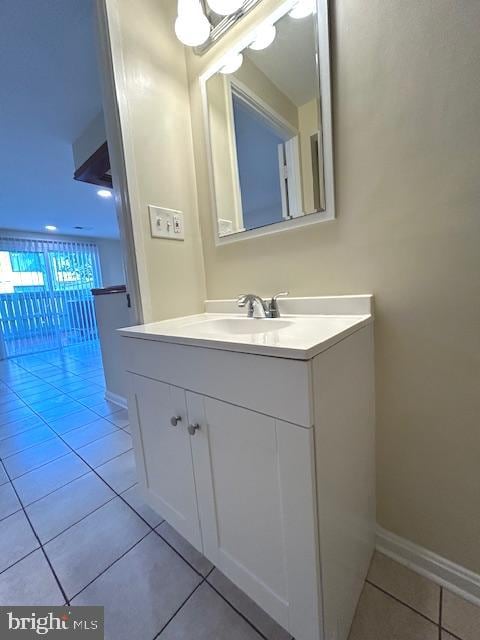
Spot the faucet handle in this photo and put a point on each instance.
(273, 309)
(280, 295)
(242, 299)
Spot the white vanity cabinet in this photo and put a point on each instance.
(165, 467)
(266, 465)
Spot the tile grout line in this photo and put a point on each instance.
(45, 381)
(104, 481)
(26, 448)
(204, 578)
(21, 433)
(78, 521)
(72, 450)
(40, 466)
(152, 529)
(111, 564)
(6, 484)
(56, 387)
(29, 504)
(62, 590)
(419, 613)
(235, 608)
(450, 633)
(176, 550)
(440, 608)
(117, 494)
(69, 392)
(10, 566)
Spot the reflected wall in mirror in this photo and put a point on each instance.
(263, 114)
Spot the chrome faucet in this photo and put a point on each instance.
(258, 308)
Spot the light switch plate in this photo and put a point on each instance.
(166, 223)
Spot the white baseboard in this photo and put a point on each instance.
(452, 576)
(116, 399)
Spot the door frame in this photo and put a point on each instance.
(120, 148)
(291, 197)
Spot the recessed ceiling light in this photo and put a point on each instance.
(50, 227)
(104, 193)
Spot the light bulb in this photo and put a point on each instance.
(302, 9)
(191, 26)
(225, 7)
(192, 30)
(263, 38)
(232, 64)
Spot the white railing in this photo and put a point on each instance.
(45, 294)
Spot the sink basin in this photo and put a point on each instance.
(240, 326)
(299, 336)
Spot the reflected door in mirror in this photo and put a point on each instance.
(265, 132)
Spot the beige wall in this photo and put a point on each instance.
(153, 111)
(406, 103)
(266, 90)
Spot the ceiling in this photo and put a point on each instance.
(50, 93)
(289, 61)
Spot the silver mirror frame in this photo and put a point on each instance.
(323, 67)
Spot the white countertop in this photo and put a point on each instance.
(297, 336)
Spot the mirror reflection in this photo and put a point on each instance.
(265, 130)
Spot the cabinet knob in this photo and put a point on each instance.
(174, 420)
(193, 428)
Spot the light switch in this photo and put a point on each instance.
(166, 223)
(178, 224)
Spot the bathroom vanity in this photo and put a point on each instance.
(254, 439)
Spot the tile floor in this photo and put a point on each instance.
(73, 528)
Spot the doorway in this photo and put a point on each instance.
(268, 161)
(45, 294)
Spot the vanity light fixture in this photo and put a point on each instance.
(302, 9)
(264, 38)
(191, 26)
(225, 7)
(232, 64)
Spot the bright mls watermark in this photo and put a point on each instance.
(52, 622)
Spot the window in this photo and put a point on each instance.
(21, 271)
(72, 270)
(45, 293)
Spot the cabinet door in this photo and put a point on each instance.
(163, 453)
(255, 496)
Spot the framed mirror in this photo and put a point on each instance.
(268, 121)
